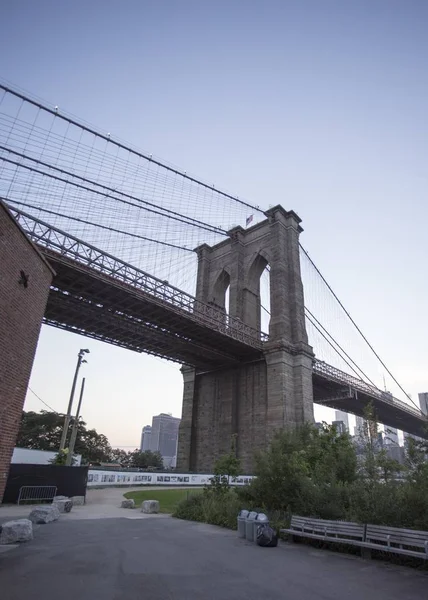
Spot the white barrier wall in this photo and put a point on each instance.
(106, 478)
(38, 457)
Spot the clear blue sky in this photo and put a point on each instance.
(320, 105)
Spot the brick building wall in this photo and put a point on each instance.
(22, 306)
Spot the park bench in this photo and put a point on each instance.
(368, 537)
(398, 541)
(332, 531)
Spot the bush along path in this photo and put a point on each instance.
(317, 473)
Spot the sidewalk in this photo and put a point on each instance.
(100, 504)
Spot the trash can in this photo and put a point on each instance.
(242, 517)
(249, 526)
(260, 518)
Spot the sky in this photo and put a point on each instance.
(319, 105)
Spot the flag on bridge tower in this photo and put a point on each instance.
(249, 219)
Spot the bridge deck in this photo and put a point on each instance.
(94, 304)
(100, 296)
(338, 390)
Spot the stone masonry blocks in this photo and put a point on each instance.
(252, 400)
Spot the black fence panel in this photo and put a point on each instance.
(70, 481)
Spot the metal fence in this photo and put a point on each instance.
(36, 493)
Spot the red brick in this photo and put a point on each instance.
(21, 313)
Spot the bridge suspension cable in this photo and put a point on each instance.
(334, 344)
(120, 199)
(141, 237)
(107, 137)
(355, 325)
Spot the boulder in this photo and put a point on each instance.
(150, 506)
(78, 500)
(60, 498)
(64, 506)
(128, 504)
(20, 530)
(46, 513)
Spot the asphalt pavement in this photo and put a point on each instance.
(168, 559)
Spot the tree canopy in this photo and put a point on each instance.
(42, 431)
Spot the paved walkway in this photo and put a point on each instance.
(168, 559)
(100, 504)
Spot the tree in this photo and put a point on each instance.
(145, 460)
(60, 459)
(225, 467)
(120, 456)
(42, 431)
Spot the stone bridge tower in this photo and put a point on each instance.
(254, 399)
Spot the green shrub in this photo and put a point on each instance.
(316, 473)
(190, 508)
(216, 509)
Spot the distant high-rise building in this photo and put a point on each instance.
(340, 426)
(396, 453)
(164, 437)
(342, 416)
(423, 402)
(360, 426)
(407, 436)
(390, 436)
(146, 436)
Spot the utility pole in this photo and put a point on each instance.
(80, 360)
(69, 459)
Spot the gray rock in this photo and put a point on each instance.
(60, 498)
(128, 504)
(20, 530)
(78, 500)
(44, 514)
(150, 506)
(64, 506)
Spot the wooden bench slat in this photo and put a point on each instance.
(387, 528)
(377, 537)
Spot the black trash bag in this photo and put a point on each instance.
(266, 536)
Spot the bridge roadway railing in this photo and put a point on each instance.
(53, 239)
(331, 373)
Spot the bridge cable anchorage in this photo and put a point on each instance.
(357, 327)
(108, 138)
(171, 214)
(77, 219)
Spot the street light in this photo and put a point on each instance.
(80, 361)
(69, 459)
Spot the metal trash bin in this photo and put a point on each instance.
(249, 526)
(260, 518)
(242, 517)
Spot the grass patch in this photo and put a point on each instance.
(168, 499)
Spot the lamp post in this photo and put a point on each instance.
(69, 459)
(80, 361)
